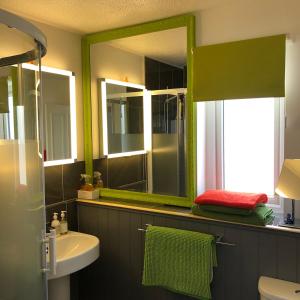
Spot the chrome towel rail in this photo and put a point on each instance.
(218, 238)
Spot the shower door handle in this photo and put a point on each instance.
(52, 251)
(49, 251)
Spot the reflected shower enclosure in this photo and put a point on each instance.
(168, 141)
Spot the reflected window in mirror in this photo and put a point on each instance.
(241, 145)
(148, 122)
(59, 109)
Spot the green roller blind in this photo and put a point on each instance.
(252, 68)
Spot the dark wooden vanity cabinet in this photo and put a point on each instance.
(117, 273)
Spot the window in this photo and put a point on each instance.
(240, 145)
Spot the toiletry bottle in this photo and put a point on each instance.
(63, 223)
(86, 183)
(98, 182)
(55, 224)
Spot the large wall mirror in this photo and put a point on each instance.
(138, 110)
(59, 108)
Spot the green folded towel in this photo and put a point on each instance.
(261, 216)
(179, 260)
(230, 210)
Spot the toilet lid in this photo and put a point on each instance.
(275, 289)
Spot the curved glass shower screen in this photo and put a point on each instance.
(22, 211)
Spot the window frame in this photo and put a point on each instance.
(210, 131)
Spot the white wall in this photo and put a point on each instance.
(245, 19)
(112, 63)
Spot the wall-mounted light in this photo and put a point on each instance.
(73, 127)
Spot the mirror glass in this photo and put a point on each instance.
(58, 90)
(156, 61)
(123, 118)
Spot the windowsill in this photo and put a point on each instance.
(180, 212)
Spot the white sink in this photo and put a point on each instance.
(74, 251)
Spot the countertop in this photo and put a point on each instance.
(179, 212)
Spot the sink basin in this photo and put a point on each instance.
(74, 251)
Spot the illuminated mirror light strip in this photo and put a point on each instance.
(21, 143)
(47, 69)
(104, 118)
(49, 163)
(124, 83)
(73, 118)
(122, 154)
(11, 111)
(147, 121)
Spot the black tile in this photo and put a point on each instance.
(100, 165)
(166, 80)
(72, 216)
(71, 179)
(53, 184)
(151, 74)
(125, 170)
(178, 78)
(185, 76)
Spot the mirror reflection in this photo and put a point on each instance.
(123, 117)
(158, 62)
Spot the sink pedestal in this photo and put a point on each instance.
(59, 288)
(74, 251)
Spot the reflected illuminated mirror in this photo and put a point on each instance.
(124, 119)
(142, 111)
(58, 89)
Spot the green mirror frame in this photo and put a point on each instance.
(187, 21)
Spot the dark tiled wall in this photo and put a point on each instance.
(160, 76)
(61, 185)
(127, 173)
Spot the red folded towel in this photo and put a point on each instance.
(231, 199)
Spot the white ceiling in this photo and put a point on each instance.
(86, 16)
(167, 46)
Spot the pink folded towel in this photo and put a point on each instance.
(231, 199)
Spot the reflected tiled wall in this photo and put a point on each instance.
(61, 185)
(128, 172)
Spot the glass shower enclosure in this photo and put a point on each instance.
(168, 142)
(22, 208)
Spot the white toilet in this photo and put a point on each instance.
(275, 289)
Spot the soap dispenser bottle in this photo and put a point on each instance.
(55, 224)
(98, 182)
(86, 183)
(63, 223)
